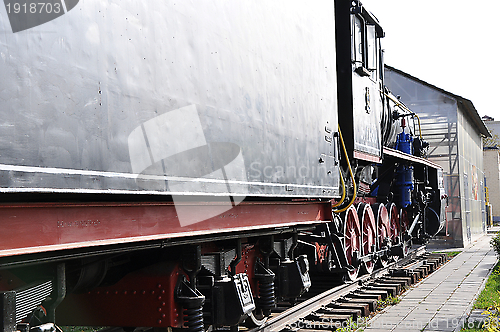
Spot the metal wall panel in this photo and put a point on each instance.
(171, 97)
(471, 166)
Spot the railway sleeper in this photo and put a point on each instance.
(397, 287)
(392, 291)
(418, 274)
(434, 263)
(430, 265)
(415, 276)
(354, 313)
(424, 271)
(372, 303)
(439, 259)
(357, 295)
(443, 258)
(322, 324)
(364, 308)
(383, 294)
(404, 282)
(327, 317)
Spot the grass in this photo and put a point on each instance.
(450, 254)
(390, 300)
(489, 296)
(490, 293)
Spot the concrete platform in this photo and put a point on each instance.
(442, 301)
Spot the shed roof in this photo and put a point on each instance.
(468, 106)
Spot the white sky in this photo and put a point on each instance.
(452, 44)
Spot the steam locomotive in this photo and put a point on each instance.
(190, 164)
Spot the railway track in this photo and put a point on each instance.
(343, 304)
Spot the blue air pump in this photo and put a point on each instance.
(404, 173)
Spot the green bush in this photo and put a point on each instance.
(492, 322)
(495, 243)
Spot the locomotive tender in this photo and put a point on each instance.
(181, 164)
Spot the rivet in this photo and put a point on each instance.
(116, 292)
(159, 309)
(159, 297)
(159, 285)
(107, 292)
(159, 321)
(163, 291)
(143, 292)
(134, 292)
(163, 304)
(152, 292)
(163, 315)
(125, 292)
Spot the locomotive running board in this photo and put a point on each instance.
(401, 155)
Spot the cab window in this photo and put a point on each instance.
(364, 47)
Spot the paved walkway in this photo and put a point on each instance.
(442, 301)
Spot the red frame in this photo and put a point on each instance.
(141, 298)
(41, 227)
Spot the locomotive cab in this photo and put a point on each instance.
(360, 80)
(396, 195)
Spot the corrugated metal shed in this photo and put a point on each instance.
(473, 115)
(455, 132)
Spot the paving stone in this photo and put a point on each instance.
(410, 325)
(443, 324)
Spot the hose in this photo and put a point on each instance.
(355, 189)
